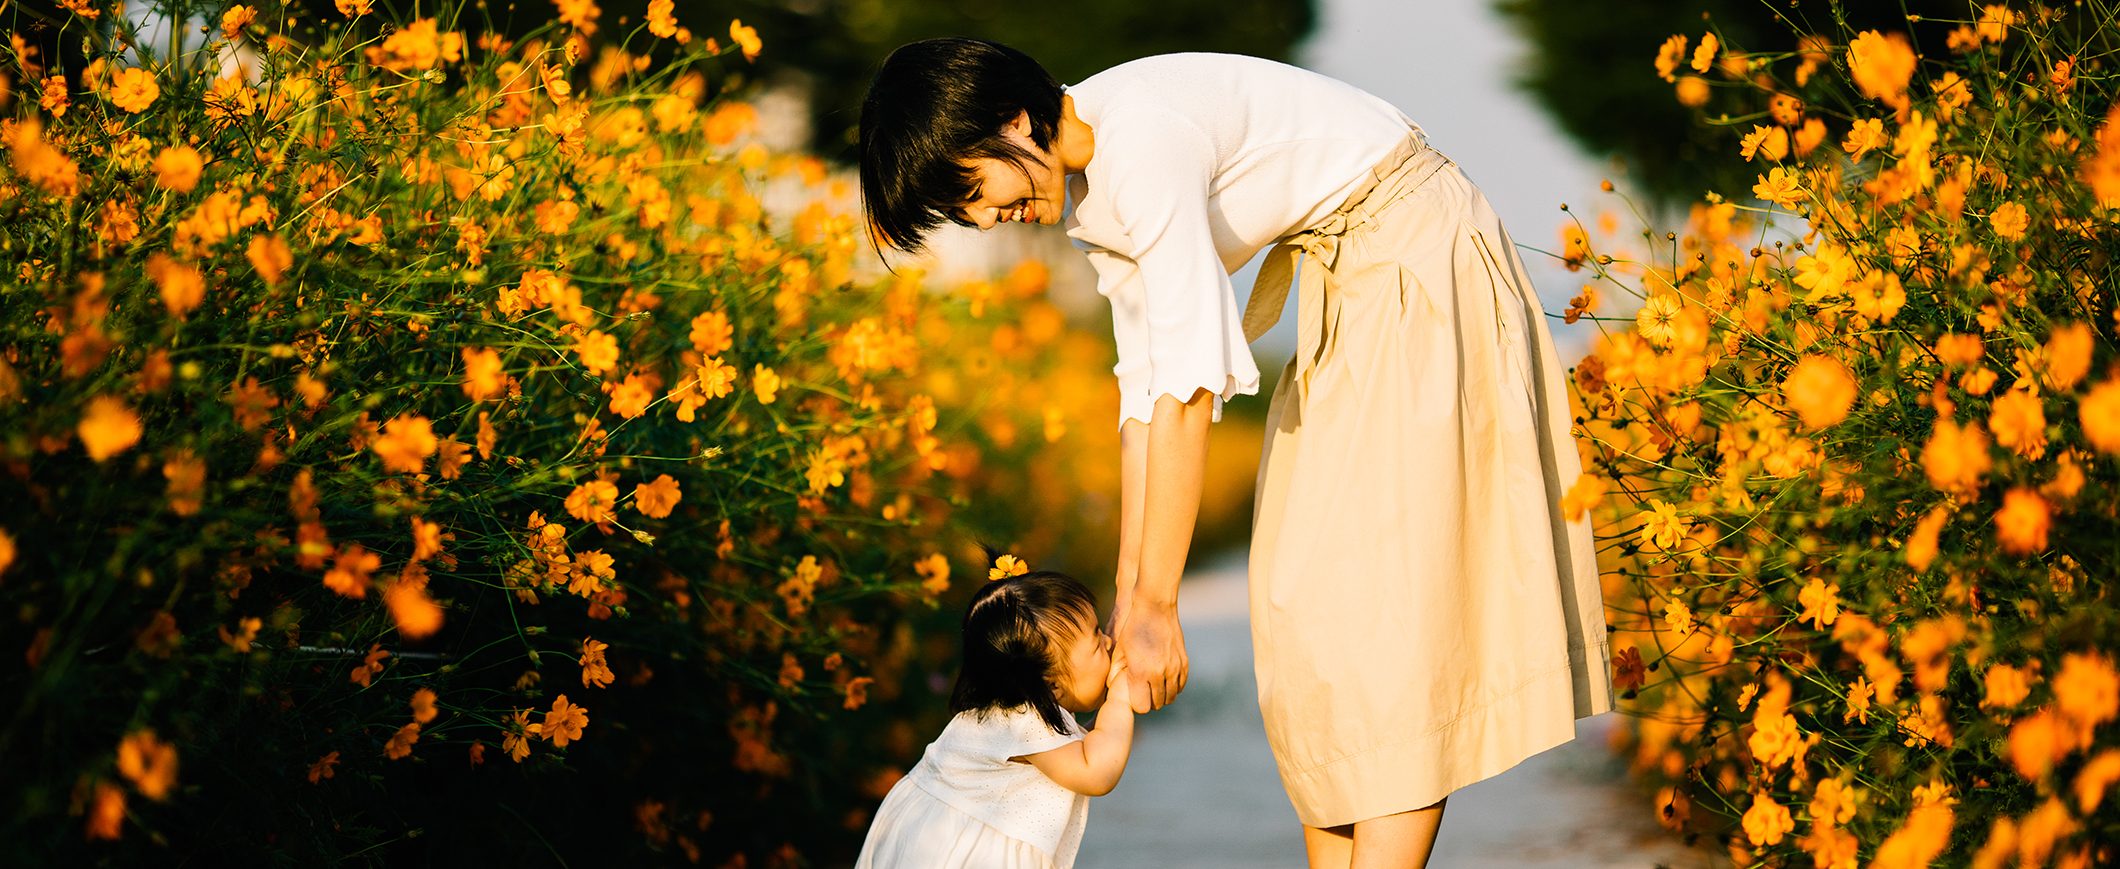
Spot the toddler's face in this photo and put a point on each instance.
(1085, 668)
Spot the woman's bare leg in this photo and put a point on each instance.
(1329, 847)
(1400, 841)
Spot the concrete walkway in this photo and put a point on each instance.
(1201, 790)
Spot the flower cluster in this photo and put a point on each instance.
(350, 387)
(1856, 457)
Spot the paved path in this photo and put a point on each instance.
(1201, 790)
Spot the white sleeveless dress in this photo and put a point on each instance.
(965, 805)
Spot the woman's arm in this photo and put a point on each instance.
(1093, 764)
(1175, 463)
(1133, 469)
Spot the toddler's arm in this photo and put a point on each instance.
(1092, 765)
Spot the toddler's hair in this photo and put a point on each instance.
(1015, 632)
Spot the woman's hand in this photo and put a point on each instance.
(1154, 648)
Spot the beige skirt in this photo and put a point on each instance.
(1422, 616)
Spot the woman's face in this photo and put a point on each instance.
(1033, 192)
(1085, 669)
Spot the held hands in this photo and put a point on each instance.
(1153, 647)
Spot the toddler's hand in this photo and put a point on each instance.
(1115, 685)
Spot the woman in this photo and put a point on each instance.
(1422, 615)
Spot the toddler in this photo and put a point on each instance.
(1007, 784)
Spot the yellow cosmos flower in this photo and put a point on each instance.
(765, 383)
(1769, 143)
(1669, 56)
(1658, 319)
(2021, 525)
(934, 573)
(2005, 687)
(149, 763)
(1882, 65)
(593, 501)
(563, 723)
(2087, 690)
(1821, 603)
(1693, 92)
(1007, 566)
(1704, 56)
(2018, 419)
(406, 442)
(108, 427)
(598, 351)
(746, 39)
(596, 672)
(1678, 617)
(415, 613)
(400, 745)
(1781, 187)
(1865, 136)
(178, 167)
(1956, 457)
(483, 377)
(655, 499)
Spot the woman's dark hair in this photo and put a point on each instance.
(1014, 632)
(933, 104)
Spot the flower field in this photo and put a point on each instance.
(1854, 457)
(421, 444)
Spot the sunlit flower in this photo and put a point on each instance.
(2100, 415)
(1657, 319)
(1767, 821)
(2095, 779)
(661, 21)
(1821, 603)
(1956, 457)
(630, 398)
(593, 501)
(133, 89)
(1781, 187)
(178, 167)
(235, 19)
(1662, 528)
(1879, 296)
(1865, 136)
(746, 39)
(1693, 91)
(2005, 687)
(2022, 523)
(1767, 143)
(1882, 65)
(657, 498)
(1820, 389)
(108, 427)
(2010, 221)
(2018, 419)
(1704, 55)
(1628, 671)
(1007, 566)
(350, 574)
(416, 614)
(406, 442)
(2067, 355)
(598, 351)
(1669, 56)
(1678, 617)
(2086, 689)
(1995, 21)
(483, 377)
(1775, 739)
(934, 571)
(1582, 496)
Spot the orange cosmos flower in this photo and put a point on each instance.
(106, 817)
(1693, 91)
(369, 666)
(325, 767)
(1678, 617)
(1767, 821)
(1768, 143)
(2022, 523)
(183, 288)
(1858, 701)
(598, 352)
(1995, 21)
(134, 89)
(2019, 422)
(2036, 742)
(516, 740)
(108, 427)
(563, 723)
(1704, 56)
(1007, 566)
(235, 19)
(354, 8)
(2010, 221)
(407, 441)
(596, 673)
(149, 763)
(1833, 802)
(934, 571)
(1775, 739)
(1811, 135)
(426, 539)
(2100, 414)
(1662, 528)
(246, 633)
(858, 692)
(1879, 296)
(488, 436)
(416, 614)
(477, 754)
(187, 482)
(270, 257)
(712, 335)
(660, 20)
(1956, 457)
(1865, 136)
(1882, 65)
(1781, 187)
(1820, 389)
(2067, 355)
(593, 501)
(2087, 690)
(400, 744)
(745, 38)
(178, 168)
(423, 705)
(765, 383)
(2006, 686)
(657, 498)
(1582, 496)
(2095, 778)
(630, 398)
(7, 551)
(1657, 320)
(349, 574)
(1669, 56)
(1821, 603)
